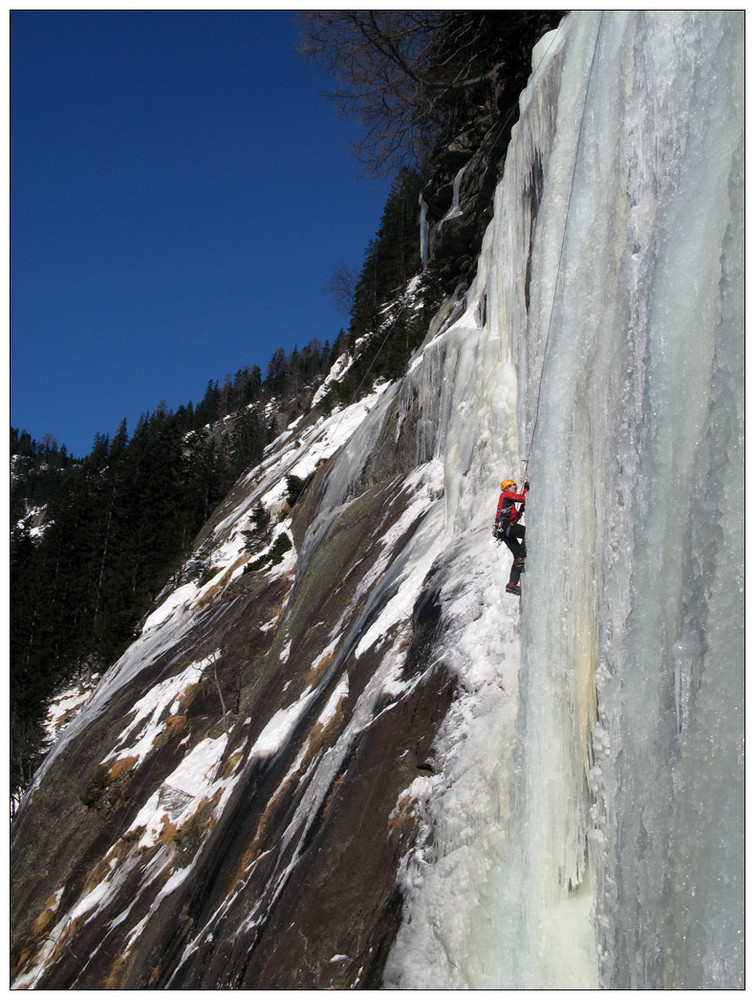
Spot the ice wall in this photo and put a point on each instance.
(636, 434)
(613, 276)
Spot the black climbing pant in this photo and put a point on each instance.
(515, 541)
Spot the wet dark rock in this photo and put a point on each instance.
(477, 139)
(269, 900)
(293, 884)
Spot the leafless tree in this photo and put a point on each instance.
(211, 655)
(379, 59)
(208, 639)
(209, 644)
(341, 288)
(403, 73)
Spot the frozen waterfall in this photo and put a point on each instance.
(604, 844)
(424, 237)
(454, 211)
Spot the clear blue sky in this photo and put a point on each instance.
(181, 194)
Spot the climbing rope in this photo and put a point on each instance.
(382, 345)
(525, 461)
(404, 304)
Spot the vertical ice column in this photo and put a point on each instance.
(455, 210)
(619, 272)
(423, 231)
(633, 389)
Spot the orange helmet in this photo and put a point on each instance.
(507, 483)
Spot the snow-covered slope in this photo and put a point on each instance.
(366, 764)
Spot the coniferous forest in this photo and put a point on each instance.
(94, 539)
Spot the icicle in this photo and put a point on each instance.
(423, 231)
(454, 211)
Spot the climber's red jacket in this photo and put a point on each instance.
(507, 505)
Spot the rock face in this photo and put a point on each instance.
(166, 846)
(459, 195)
(468, 162)
(234, 805)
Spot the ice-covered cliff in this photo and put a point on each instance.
(616, 268)
(417, 781)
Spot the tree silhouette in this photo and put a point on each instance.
(405, 74)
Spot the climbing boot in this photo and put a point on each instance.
(513, 588)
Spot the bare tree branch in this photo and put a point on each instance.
(341, 288)
(379, 60)
(404, 74)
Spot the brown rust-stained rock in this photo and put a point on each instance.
(294, 883)
(335, 917)
(343, 900)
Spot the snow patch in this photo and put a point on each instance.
(195, 777)
(281, 726)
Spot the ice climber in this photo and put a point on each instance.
(509, 531)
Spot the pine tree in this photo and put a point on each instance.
(261, 520)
